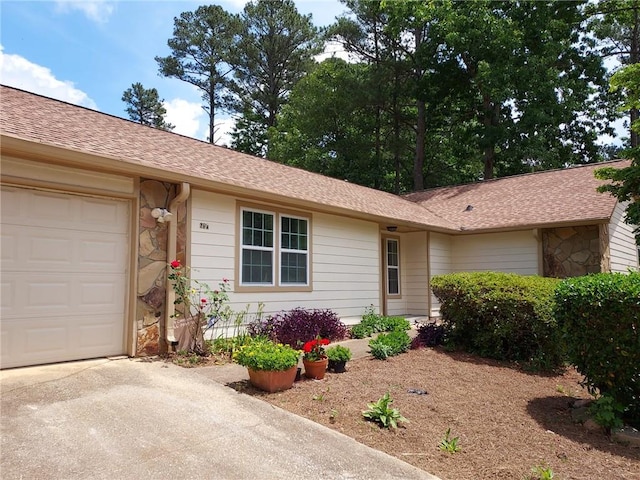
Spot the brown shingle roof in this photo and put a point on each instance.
(547, 198)
(39, 119)
(532, 200)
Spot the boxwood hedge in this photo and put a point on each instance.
(502, 316)
(600, 318)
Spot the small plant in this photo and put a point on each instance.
(314, 349)
(540, 473)
(448, 444)
(333, 416)
(320, 397)
(338, 353)
(380, 351)
(429, 335)
(389, 344)
(382, 413)
(264, 354)
(607, 412)
(374, 323)
(185, 358)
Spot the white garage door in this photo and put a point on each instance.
(64, 276)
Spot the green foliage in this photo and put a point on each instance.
(274, 51)
(540, 472)
(501, 316)
(599, 315)
(201, 49)
(338, 353)
(625, 182)
(373, 323)
(262, 354)
(382, 412)
(448, 444)
(389, 344)
(607, 412)
(144, 106)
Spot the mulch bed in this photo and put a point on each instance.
(508, 421)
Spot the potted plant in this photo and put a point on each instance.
(315, 360)
(338, 357)
(272, 366)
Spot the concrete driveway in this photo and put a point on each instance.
(125, 419)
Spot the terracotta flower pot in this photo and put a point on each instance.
(315, 369)
(272, 380)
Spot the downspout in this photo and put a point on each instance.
(172, 246)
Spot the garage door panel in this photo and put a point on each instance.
(62, 251)
(54, 340)
(36, 295)
(64, 277)
(62, 211)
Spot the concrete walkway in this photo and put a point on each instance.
(130, 418)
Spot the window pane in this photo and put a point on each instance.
(293, 268)
(257, 266)
(294, 234)
(392, 253)
(393, 281)
(257, 229)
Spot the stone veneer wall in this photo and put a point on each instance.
(152, 262)
(571, 251)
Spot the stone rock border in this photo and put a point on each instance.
(580, 414)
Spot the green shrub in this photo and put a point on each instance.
(502, 316)
(389, 344)
(338, 353)
(373, 323)
(262, 354)
(600, 318)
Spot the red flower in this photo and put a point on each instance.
(175, 264)
(314, 349)
(324, 341)
(203, 300)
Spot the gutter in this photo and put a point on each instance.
(184, 190)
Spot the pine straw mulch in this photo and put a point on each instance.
(508, 421)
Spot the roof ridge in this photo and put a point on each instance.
(518, 175)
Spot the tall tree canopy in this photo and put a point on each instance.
(625, 185)
(274, 51)
(200, 51)
(617, 24)
(145, 106)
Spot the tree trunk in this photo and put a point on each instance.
(489, 150)
(418, 163)
(634, 57)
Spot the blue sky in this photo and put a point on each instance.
(89, 52)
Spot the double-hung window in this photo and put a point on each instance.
(393, 266)
(274, 249)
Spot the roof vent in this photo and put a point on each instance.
(469, 208)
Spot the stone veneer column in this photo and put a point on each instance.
(571, 251)
(152, 263)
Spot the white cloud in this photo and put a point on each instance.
(18, 72)
(223, 129)
(186, 116)
(97, 11)
(335, 49)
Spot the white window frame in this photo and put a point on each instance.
(283, 250)
(389, 267)
(276, 251)
(271, 249)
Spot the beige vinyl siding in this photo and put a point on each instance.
(440, 262)
(345, 270)
(510, 252)
(414, 277)
(64, 177)
(624, 251)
